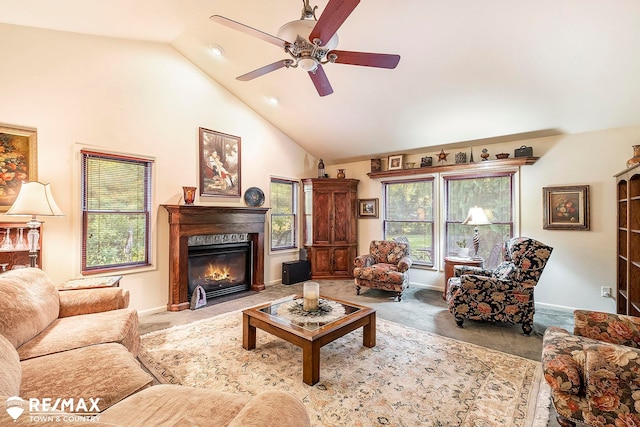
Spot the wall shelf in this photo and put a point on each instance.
(481, 165)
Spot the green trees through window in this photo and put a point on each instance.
(411, 206)
(116, 206)
(409, 213)
(493, 193)
(284, 205)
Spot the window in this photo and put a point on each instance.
(493, 193)
(408, 211)
(116, 211)
(284, 205)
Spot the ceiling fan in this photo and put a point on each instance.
(311, 43)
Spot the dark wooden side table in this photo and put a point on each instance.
(450, 262)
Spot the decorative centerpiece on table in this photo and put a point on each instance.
(311, 308)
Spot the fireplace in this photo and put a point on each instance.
(212, 226)
(220, 268)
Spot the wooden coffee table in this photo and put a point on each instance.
(310, 336)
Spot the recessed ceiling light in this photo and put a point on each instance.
(273, 100)
(215, 49)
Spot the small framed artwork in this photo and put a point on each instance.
(18, 162)
(368, 208)
(219, 164)
(566, 208)
(395, 162)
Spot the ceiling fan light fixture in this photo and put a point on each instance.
(302, 27)
(308, 64)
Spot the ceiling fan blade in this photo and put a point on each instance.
(249, 30)
(264, 70)
(333, 16)
(320, 81)
(380, 60)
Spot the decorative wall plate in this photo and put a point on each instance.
(254, 197)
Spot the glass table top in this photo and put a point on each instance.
(291, 311)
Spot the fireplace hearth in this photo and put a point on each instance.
(211, 226)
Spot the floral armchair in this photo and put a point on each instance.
(504, 294)
(594, 374)
(386, 267)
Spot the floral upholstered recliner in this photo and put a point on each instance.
(504, 294)
(594, 374)
(386, 267)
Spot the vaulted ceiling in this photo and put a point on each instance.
(469, 70)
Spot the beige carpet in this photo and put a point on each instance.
(410, 378)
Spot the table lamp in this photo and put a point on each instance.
(476, 217)
(34, 199)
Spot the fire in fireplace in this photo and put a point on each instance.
(220, 268)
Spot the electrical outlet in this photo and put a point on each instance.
(605, 292)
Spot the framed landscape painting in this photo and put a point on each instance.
(566, 208)
(18, 162)
(219, 164)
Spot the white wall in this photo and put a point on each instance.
(129, 97)
(145, 98)
(582, 261)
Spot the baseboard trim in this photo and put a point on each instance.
(154, 310)
(555, 307)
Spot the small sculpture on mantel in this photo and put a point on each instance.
(485, 154)
(442, 157)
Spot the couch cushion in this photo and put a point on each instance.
(119, 326)
(272, 408)
(172, 405)
(105, 371)
(10, 371)
(28, 304)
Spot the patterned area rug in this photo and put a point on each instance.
(409, 378)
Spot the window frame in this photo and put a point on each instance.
(148, 165)
(440, 200)
(513, 176)
(295, 204)
(429, 252)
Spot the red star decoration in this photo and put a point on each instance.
(442, 157)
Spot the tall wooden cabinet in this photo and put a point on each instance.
(330, 226)
(628, 282)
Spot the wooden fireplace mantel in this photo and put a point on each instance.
(193, 220)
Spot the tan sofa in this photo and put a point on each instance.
(82, 344)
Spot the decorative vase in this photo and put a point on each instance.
(341, 174)
(636, 157)
(189, 195)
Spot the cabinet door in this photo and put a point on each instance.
(342, 217)
(321, 261)
(343, 261)
(322, 206)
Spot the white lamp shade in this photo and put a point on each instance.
(303, 27)
(35, 199)
(476, 216)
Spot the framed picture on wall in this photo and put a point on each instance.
(566, 208)
(18, 162)
(219, 172)
(368, 208)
